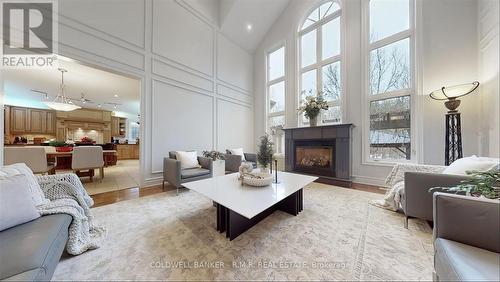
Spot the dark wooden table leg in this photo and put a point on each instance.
(221, 218)
(235, 224)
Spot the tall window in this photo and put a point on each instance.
(320, 60)
(390, 79)
(276, 96)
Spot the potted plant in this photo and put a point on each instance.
(61, 146)
(480, 184)
(219, 165)
(313, 104)
(265, 153)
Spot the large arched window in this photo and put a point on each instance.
(320, 52)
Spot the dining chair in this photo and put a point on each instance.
(88, 158)
(35, 157)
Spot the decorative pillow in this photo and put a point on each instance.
(238, 152)
(16, 205)
(188, 159)
(473, 163)
(21, 168)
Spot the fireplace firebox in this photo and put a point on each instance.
(323, 151)
(315, 157)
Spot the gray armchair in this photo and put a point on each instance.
(466, 238)
(416, 199)
(233, 162)
(175, 175)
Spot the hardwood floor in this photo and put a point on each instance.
(107, 198)
(133, 193)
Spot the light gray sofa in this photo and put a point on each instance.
(31, 251)
(176, 176)
(233, 162)
(416, 199)
(466, 238)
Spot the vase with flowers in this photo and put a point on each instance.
(312, 106)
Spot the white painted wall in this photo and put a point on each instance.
(196, 85)
(488, 24)
(448, 57)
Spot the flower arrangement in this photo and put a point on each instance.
(61, 146)
(86, 139)
(58, 144)
(313, 104)
(214, 155)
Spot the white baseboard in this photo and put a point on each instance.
(152, 182)
(369, 180)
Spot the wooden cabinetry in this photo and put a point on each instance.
(27, 120)
(118, 126)
(51, 123)
(115, 126)
(18, 119)
(37, 120)
(127, 151)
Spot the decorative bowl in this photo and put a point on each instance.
(258, 179)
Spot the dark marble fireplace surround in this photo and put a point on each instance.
(331, 138)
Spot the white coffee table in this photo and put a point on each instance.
(241, 207)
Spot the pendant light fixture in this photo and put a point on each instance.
(61, 102)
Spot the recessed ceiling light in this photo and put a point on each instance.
(249, 27)
(116, 95)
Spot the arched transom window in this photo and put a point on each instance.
(320, 52)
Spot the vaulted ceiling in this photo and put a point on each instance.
(233, 18)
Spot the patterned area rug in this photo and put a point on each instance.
(338, 236)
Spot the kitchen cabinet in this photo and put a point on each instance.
(18, 119)
(37, 121)
(127, 151)
(90, 115)
(26, 120)
(118, 126)
(115, 126)
(50, 123)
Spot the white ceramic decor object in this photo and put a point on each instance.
(219, 168)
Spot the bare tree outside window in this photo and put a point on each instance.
(390, 118)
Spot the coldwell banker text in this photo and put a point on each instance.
(28, 34)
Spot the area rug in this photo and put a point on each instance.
(338, 236)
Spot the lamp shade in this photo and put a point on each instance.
(63, 107)
(453, 92)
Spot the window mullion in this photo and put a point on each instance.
(390, 39)
(319, 55)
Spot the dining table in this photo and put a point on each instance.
(63, 160)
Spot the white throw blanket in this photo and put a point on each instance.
(67, 195)
(396, 183)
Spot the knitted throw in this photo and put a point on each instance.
(396, 183)
(67, 195)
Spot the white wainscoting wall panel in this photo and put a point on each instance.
(96, 15)
(190, 98)
(181, 36)
(488, 19)
(234, 121)
(185, 120)
(235, 65)
(177, 74)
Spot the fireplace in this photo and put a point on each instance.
(315, 157)
(324, 151)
